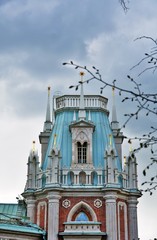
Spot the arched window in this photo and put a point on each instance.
(82, 152)
(81, 217)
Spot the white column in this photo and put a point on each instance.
(53, 215)
(31, 209)
(111, 216)
(132, 212)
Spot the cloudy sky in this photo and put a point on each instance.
(36, 36)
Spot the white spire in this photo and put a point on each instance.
(89, 116)
(114, 123)
(74, 116)
(48, 123)
(82, 113)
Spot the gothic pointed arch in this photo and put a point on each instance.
(79, 206)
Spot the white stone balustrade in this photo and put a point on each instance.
(73, 101)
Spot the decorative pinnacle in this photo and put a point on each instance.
(82, 114)
(114, 123)
(33, 146)
(113, 90)
(110, 139)
(130, 145)
(48, 123)
(82, 74)
(124, 160)
(55, 140)
(49, 89)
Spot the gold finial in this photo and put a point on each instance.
(124, 160)
(82, 74)
(130, 145)
(113, 90)
(110, 139)
(49, 88)
(33, 146)
(55, 138)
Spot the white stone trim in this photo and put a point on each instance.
(82, 227)
(41, 204)
(53, 215)
(111, 215)
(77, 206)
(123, 204)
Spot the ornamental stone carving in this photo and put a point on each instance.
(98, 203)
(66, 203)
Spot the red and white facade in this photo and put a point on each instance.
(93, 198)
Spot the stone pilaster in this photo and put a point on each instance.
(53, 215)
(132, 213)
(31, 209)
(111, 216)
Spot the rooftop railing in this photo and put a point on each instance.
(73, 101)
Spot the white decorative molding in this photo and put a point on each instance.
(85, 227)
(66, 203)
(41, 204)
(98, 203)
(79, 205)
(122, 205)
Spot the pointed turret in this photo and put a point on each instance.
(132, 169)
(111, 165)
(33, 169)
(118, 136)
(82, 113)
(48, 123)
(44, 136)
(114, 123)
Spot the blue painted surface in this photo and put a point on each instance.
(81, 217)
(29, 228)
(64, 141)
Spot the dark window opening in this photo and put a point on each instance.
(82, 152)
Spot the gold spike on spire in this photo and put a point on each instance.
(124, 160)
(82, 74)
(130, 145)
(113, 90)
(49, 89)
(110, 139)
(82, 113)
(55, 140)
(33, 146)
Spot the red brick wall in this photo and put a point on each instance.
(100, 212)
(122, 219)
(42, 214)
(122, 226)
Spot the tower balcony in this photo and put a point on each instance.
(73, 101)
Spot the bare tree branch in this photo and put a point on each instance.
(124, 5)
(144, 101)
(150, 58)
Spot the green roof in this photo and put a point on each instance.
(13, 218)
(27, 228)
